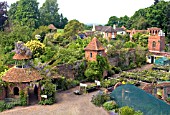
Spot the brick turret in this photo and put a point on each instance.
(93, 49)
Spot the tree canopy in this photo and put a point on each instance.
(49, 14)
(25, 12)
(72, 28)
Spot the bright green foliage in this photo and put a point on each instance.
(110, 105)
(72, 28)
(93, 71)
(73, 52)
(153, 16)
(25, 12)
(23, 98)
(49, 90)
(36, 47)
(130, 45)
(127, 110)
(18, 33)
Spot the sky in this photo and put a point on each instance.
(97, 11)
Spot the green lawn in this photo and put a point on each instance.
(60, 30)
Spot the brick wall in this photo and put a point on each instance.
(2, 93)
(160, 43)
(94, 54)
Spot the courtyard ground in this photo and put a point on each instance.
(68, 104)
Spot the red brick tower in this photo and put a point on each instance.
(156, 40)
(93, 49)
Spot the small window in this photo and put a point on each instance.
(149, 57)
(100, 53)
(91, 55)
(153, 44)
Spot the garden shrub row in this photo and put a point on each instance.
(147, 75)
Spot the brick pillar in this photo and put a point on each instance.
(164, 94)
(39, 93)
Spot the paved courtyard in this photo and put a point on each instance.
(68, 104)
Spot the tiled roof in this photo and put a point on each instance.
(94, 45)
(104, 28)
(119, 29)
(21, 57)
(52, 27)
(21, 75)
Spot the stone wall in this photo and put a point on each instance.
(68, 70)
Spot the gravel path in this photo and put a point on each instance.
(68, 104)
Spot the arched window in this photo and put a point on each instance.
(91, 55)
(16, 91)
(153, 44)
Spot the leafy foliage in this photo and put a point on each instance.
(25, 12)
(100, 99)
(110, 105)
(49, 14)
(72, 28)
(37, 48)
(129, 111)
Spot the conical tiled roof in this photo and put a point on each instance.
(20, 75)
(21, 57)
(94, 45)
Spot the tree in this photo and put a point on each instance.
(155, 2)
(49, 13)
(112, 20)
(25, 12)
(72, 28)
(3, 14)
(63, 21)
(123, 21)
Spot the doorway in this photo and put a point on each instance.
(152, 59)
(16, 91)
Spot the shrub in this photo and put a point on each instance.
(48, 101)
(99, 99)
(126, 110)
(110, 105)
(23, 98)
(168, 99)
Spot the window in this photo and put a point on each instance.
(153, 44)
(91, 55)
(100, 53)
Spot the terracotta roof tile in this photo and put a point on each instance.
(94, 45)
(52, 27)
(21, 57)
(21, 75)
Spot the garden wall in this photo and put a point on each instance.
(69, 70)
